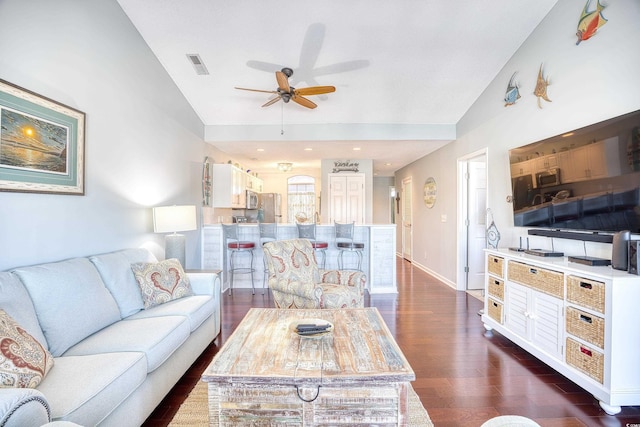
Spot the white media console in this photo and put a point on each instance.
(580, 320)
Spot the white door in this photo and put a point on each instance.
(476, 219)
(346, 198)
(355, 199)
(407, 209)
(337, 199)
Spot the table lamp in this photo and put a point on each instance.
(171, 219)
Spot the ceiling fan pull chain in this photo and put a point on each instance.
(282, 119)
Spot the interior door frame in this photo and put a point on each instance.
(407, 181)
(463, 197)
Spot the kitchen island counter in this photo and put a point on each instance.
(378, 261)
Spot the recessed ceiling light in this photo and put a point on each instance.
(308, 149)
(356, 148)
(387, 164)
(260, 149)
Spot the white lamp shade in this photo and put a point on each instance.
(169, 219)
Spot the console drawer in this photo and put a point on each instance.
(496, 287)
(586, 293)
(586, 326)
(495, 265)
(585, 359)
(494, 310)
(547, 281)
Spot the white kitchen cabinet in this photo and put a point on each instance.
(228, 187)
(346, 198)
(544, 163)
(254, 183)
(598, 160)
(579, 320)
(522, 168)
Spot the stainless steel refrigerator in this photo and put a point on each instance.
(269, 207)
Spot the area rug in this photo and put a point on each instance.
(194, 410)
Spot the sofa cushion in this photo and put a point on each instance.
(196, 308)
(70, 299)
(161, 282)
(115, 269)
(156, 337)
(24, 362)
(15, 300)
(85, 389)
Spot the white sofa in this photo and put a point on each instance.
(114, 361)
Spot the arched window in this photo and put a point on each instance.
(301, 198)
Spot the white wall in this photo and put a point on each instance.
(144, 144)
(594, 81)
(381, 199)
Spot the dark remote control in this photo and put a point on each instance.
(312, 328)
(312, 332)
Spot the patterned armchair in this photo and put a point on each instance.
(296, 281)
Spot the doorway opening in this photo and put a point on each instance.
(407, 219)
(473, 192)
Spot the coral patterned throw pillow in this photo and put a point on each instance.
(161, 282)
(23, 360)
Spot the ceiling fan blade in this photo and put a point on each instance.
(315, 90)
(283, 81)
(272, 101)
(257, 90)
(303, 101)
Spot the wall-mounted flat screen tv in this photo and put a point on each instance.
(587, 179)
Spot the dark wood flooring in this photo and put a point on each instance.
(465, 376)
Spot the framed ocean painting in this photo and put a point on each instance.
(41, 143)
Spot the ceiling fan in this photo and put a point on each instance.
(289, 93)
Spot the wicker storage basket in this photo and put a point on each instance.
(586, 326)
(495, 265)
(495, 310)
(547, 281)
(496, 287)
(586, 292)
(585, 359)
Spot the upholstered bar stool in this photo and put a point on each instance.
(344, 243)
(268, 233)
(308, 231)
(236, 246)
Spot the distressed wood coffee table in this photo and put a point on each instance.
(267, 374)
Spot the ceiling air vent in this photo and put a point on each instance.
(197, 63)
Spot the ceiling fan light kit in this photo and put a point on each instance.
(286, 92)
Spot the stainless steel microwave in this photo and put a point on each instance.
(252, 200)
(548, 178)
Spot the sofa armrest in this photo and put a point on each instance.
(204, 283)
(23, 407)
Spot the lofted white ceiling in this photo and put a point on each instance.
(404, 70)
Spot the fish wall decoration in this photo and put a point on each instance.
(541, 87)
(513, 91)
(589, 22)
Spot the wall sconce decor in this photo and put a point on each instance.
(171, 219)
(285, 167)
